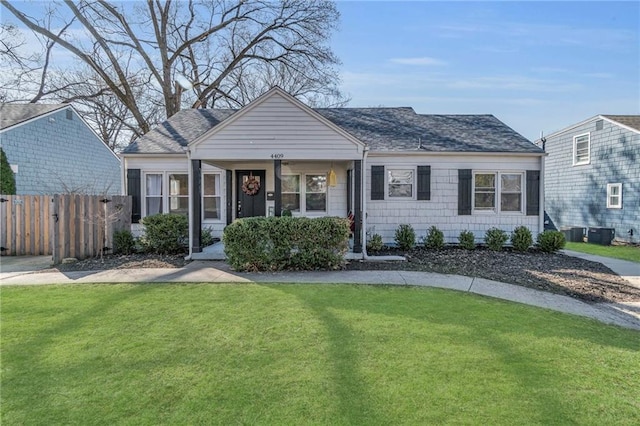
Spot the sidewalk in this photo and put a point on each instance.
(630, 271)
(625, 315)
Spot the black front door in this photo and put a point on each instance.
(250, 190)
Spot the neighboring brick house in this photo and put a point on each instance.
(388, 166)
(52, 150)
(592, 175)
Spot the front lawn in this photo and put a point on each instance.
(631, 253)
(305, 354)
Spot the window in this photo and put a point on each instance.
(400, 183)
(581, 149)
(310, 197)
(179, 194)
(153, 194)
(484, 191)
(316, 193)
(614, 196)
(211, 196)
(291, 193)
(488, 186)
(511, 192)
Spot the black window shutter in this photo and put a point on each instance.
(134, 187)
(464, 191)
(377, 182)
(424, 182)
(533, 192)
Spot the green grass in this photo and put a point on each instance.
(631, 253)
(306, 354)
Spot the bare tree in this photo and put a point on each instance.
(231, 50)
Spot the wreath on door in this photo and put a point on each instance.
(251, 186)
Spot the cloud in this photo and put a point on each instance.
(421, 61)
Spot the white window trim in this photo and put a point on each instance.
(202, 195)
(165, 188)
(497, 201)
(574, 159)
(388, 196)
(302, 191)
(610, 186)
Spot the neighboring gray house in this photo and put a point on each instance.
(52, 150)
(388, 166)
(592, 175)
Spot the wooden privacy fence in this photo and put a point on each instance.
(63, 226)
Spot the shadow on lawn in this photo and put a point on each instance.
(462, 323)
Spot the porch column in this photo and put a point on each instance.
(196, 205)
(229, 196)
(277, 171)
(357, 206)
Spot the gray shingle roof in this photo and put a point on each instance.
(632, 121)
(172, 135)
(402, 130)
(383, 129)
(12, 114)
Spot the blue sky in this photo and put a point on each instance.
(537, 66)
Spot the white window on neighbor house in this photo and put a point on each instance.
(400, 183)
(153, 193)
(614, 196)
(211, 200)
(497, 191)
(581, 149)
(179, 193)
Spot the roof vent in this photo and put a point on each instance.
(599, 124)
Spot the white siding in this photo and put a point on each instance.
(336, 196)
(441, 210)
(276, 128)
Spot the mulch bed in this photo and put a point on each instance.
(556, 273)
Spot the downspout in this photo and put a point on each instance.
(190, 179)
(363, 194)
(541, 189)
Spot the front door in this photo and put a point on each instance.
(250, 190)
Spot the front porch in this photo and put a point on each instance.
(309, 188)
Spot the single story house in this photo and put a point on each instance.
(52, 150)
(592, 176)
(388, 166)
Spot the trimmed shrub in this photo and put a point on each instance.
(375, 243)
(123, 242)
(7, 179)
(434, 239)
(206, 236)
(277, 243)
(286, 213)
(405, 237)
(551, 241)
(467, 240)
(521, 238)
(495, 238)
(165, 233)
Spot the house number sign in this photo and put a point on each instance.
(277, 156)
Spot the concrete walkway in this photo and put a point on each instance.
(628, 270)
(625, 315)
